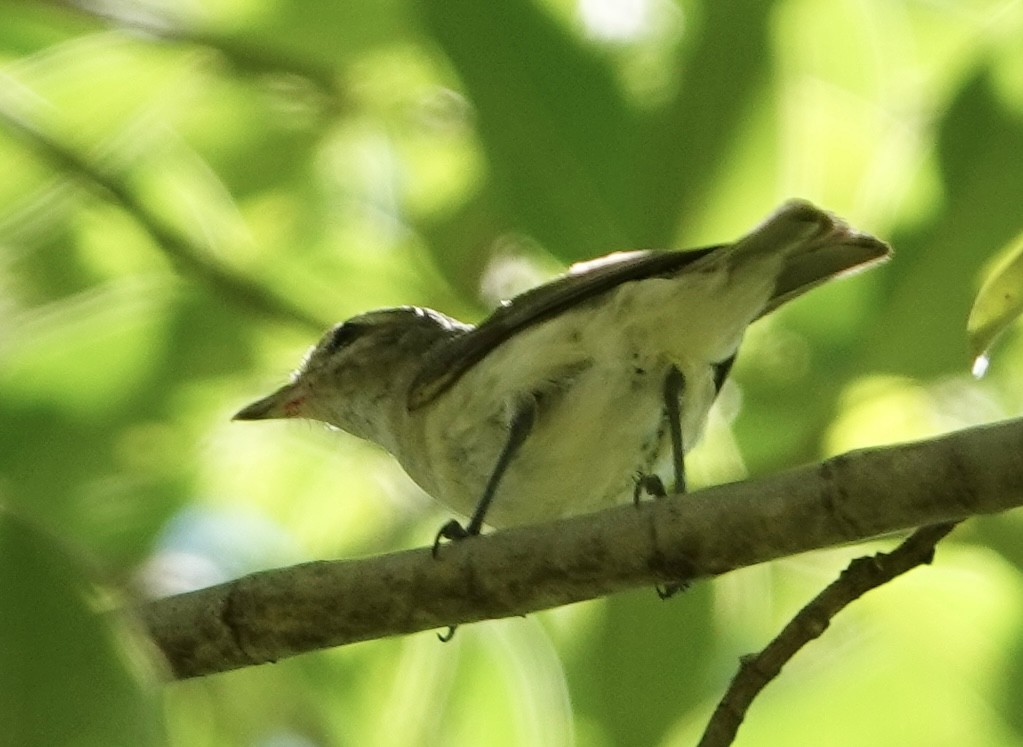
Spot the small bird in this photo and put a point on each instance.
(569, 397)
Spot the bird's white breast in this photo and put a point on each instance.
(597, 374)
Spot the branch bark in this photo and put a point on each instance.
(280, 613)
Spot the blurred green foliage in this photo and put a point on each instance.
(190, 191)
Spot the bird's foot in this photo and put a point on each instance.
(452, 531)
(669, 590)
(653, 485)
(649, 484)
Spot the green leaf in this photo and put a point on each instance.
(999, 302)
(69, 674)
(981, 179)
(559, 145)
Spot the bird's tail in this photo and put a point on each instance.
(818, 246)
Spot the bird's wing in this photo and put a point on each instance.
(448, 362)
(814, 245)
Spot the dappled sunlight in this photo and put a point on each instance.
(191, 194)
(885, 410)
(616, 20)
(203, 546)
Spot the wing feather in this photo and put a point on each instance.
(447, 363)
(815, 246)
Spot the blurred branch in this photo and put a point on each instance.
(246, 58)
(189, 258)
(280, 613)
(862, 575)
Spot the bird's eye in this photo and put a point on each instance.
(342, 335)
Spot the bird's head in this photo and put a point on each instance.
(358, 372)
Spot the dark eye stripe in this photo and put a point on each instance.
(343, 334)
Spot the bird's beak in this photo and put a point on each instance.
(286, 402)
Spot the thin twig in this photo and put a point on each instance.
(861, 575)
(189, 258)
(252, 59)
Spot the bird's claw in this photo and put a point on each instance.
(451, 531)
(669, 590)
(649, 484)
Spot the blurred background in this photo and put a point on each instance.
(191, 192)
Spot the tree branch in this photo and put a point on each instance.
(859, 577)
(249, 58)
(279, 613)
(186, 256)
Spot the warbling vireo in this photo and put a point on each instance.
(567, 394)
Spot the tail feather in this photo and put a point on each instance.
(804, 271)
(825, 248)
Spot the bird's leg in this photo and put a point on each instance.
(674, 388)
(519, 427)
